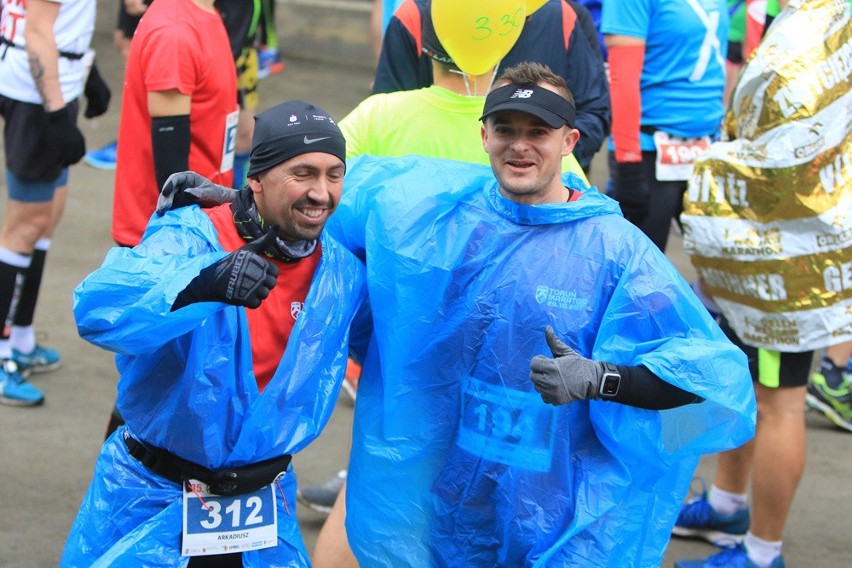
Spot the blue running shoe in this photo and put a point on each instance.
(268, 62)
(39, 360)
(14, 389)
(104, 158)
(697, 519)
(734, 557)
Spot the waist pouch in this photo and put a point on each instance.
(229, 481)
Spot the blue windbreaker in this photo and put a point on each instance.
(456, 461)
(187, 386)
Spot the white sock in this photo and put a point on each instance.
(23, 338)
(725, 502)
(762, 552)
(5, 349)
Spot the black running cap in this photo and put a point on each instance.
(291, 129)
(538, 101)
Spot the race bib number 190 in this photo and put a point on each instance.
(675, 156)
(213, 524)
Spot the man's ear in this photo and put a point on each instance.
(572, 135)
(484, 137)
(255, 184)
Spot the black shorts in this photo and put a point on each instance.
(29, 153)
(773, 369)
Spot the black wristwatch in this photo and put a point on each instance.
(610, 382)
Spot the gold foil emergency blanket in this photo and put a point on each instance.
(768, 213)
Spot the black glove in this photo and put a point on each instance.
(243, 278)
(97, 94)
(631, 191)
(65, 137)
(189, 188)
(568, 376)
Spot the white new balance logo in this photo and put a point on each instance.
(522, 94)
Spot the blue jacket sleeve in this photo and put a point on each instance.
(584, 73)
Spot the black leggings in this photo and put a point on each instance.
(666, 200)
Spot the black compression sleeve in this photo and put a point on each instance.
(643, 389)
(170, 141)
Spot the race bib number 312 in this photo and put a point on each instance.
(214, 524)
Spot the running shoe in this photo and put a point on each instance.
(268, 62)
(103, 158)
(830, 392)
(14, 389)
(39, 360)
(734, 557)
(321, 497)
(697, 519)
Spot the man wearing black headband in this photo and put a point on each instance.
(526, 130)
(471, 447)
(559, 33)
(217, 396)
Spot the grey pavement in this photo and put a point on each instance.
(47, 454)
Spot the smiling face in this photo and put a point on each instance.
(526, 155)
(299, 194)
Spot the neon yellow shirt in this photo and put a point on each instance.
(434, 122)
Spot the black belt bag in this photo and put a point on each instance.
(231, 481)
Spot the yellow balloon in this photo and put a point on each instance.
(533, 5)
(477, 34)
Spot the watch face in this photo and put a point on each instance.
(609, 387)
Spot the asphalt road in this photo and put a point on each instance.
(47, 453)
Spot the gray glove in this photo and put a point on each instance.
(189, 188)
(568, 376)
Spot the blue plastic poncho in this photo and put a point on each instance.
(187, 386)
(456, 461)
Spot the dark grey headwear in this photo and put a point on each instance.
(291, 129)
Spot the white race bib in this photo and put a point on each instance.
(506, 426)
(230, 144)
(675, 156)
(215, 524)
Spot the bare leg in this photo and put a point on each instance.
(24, 224)
(779, 458)
(840, 353)
(57, 209)
(734, 468)
(332, 548)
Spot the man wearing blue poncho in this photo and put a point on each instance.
(456, 459)
(214, 404)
